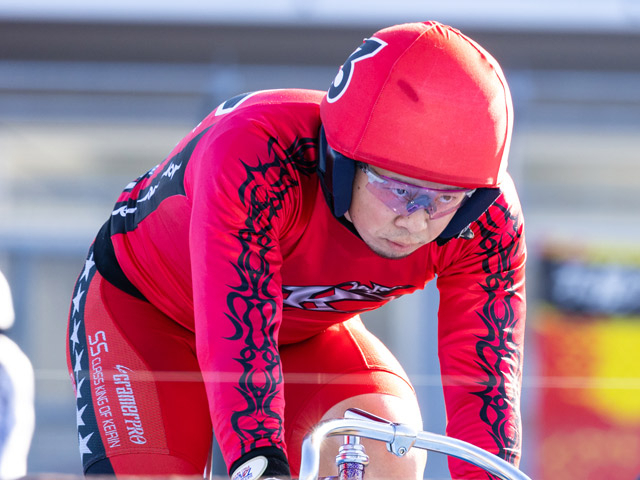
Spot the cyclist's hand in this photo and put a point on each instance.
(267, 463)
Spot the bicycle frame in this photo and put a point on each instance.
(399, 438)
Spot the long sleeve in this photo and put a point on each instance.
(238, 215)
(481, 334)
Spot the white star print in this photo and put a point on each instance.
(84, 448)
(77, 366)
(76, 301)
(74, 335)
(79, 413)
(88, 265)
(78, 391)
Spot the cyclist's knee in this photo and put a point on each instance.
(383, 465)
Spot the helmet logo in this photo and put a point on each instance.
(369, 48)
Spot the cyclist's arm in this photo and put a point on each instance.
(481, 333)
(236, 219)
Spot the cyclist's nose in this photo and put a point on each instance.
(414, 222)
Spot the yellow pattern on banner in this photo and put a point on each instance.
(603, 355)
(617, 357)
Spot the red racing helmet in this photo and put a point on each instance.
(425, 101)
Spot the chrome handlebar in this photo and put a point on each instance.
(400, 438)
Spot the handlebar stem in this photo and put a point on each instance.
(351, 459)
(399, 438)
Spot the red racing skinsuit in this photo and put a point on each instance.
(232, 239)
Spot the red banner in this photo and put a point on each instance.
(588, 341)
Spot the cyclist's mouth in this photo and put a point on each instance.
(403, 246)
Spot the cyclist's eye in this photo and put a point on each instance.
(400, 192)
(446, 198)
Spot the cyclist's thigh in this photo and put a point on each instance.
(344, 362)
(141, 403)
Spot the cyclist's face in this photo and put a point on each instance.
(388, 234)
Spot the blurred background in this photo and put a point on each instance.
(92, 94)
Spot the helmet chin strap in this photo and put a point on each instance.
(336, 174)
(473, 208)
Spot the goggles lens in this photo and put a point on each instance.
(404, 198)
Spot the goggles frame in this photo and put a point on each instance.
(404, 198)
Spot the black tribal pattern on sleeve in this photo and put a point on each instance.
(251, 305)
(498, 349)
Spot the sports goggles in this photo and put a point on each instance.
(404, 198)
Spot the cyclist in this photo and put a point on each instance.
(225, 289)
